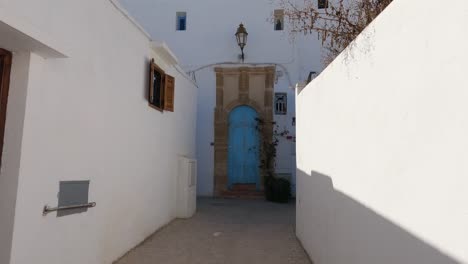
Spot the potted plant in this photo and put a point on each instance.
(277, 189)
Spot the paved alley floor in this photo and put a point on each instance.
(225, 232)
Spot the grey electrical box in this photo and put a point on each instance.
(73, 193)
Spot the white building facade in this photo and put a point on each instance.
(382, 147)
(78, 113)
(206, 42)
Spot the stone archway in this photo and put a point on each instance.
(250, 86)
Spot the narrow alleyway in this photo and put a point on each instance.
(225, 232)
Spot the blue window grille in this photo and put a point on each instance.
(181, 21)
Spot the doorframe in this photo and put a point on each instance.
(6, 58)
(235, 86)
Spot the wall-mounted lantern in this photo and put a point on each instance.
(241, 36)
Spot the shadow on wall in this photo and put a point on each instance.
(334, 228)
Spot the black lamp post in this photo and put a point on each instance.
(241, 36)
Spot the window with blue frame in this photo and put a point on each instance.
(181, 21)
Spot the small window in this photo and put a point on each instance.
(181, 21)
(322, 4)
(161, 89)
(281, 103)
(156, 91)
(279, 19)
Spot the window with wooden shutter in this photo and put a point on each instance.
(169, 93)
(156, 89)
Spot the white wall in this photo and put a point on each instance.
(209, 39)
(382, 143)
(86, 117)
(12, 150)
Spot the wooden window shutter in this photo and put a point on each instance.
(169, 93)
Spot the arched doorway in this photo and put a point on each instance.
(239, 86)
(243, 147)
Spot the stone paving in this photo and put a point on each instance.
(225, 232)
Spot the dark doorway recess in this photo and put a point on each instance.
(5, 69)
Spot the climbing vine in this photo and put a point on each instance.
(276, 189)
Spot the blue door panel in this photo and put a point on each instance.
(243, 149)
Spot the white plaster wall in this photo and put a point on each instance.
(12, 150)
(382, 146)
(209, 39)
(206, 102)
(87, 118)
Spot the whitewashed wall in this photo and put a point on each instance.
(86, 117)
(209, 39)
(382, 143)
(12, 151)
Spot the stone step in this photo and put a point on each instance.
(254, 195)
(244, 187)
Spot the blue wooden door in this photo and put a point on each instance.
(243, 149)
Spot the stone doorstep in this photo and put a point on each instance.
(247, 196)
(244, 187)
(243, 191)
